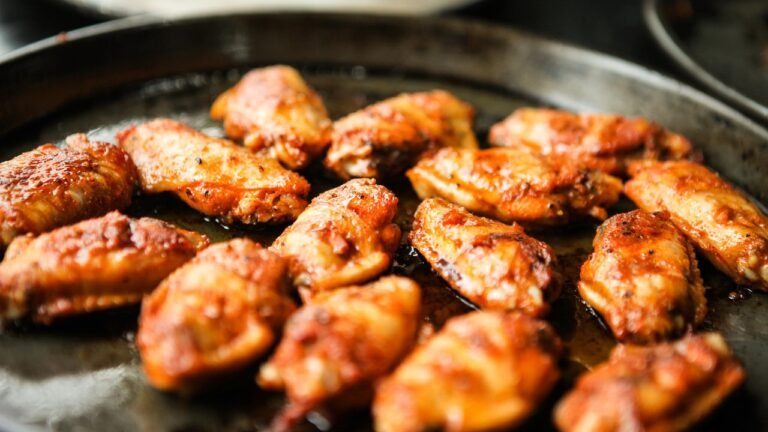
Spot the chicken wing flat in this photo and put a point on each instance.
(214, 315)
(494, 265)
(604, 142)
(728, 228)
(514, 185)
(92, 265)
(643, 278)
(483, 371)
(661, 388)
(276, 113)
(54, 186)
(345, 236)
(386, 138)
(337, 345)
(214, 176)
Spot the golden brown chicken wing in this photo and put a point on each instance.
(54, 186)
(728, 228)
(514, 185)
(345, 236)
(598, 141)
(494, 265)
(338, 344)
(214, 176)
(95, 264)
(386, 138)
(643, 278)
(276, 114)
(483, 371)
(214, 315)
(661, 388)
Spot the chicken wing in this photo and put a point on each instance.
(494, 265)
(604, 142)
(214, 315)
(386, 138)
(483, 371)
(663, 388)
(337, 345)
(54, 186)
(345, 236)
(277, 114)
(214, 176)
(728, 228)
(92, 265)
(514, 185)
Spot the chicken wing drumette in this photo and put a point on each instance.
(277, 114)
(494, 265)
(214, 176)
(92, 265)
(54, 186)
(386, 138)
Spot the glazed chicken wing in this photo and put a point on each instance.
(214, 315)
(728, 228)
(277, 114)
(494, 265)
(337, 345)
(514, 185)
(661, 388)
(604, 142)
(54, 186)
(214, 176)
(95, 264)
(483, 371)
(345, 236)
(386, 138)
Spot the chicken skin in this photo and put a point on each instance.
(661, 388)
(214, 315)
(483, 371)
(213, 176)
(345, 236)
(643, 278)
(335, 346)
(722, 222)
(93, 265)
(386, 138)
(514, 185)
(276, 114)
(51, 186)
(603, 142)
(495, 266)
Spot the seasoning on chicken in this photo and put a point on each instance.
(92, 265)
(276, 114)
(494, 265)
(214, 176)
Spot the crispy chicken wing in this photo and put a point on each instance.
(276, 113)
(494, 265)
(386, 138)
(728, 228)
(214, 176)
(598, 141)
(514, 185)
(643, 278)
(483, 371)
(661, 388)
(345, 236)
(54, 186)
(214, 315)
(95, 264)
(338, 344)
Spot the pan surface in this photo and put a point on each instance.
(84, 373)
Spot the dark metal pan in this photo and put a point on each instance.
(84, 373)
